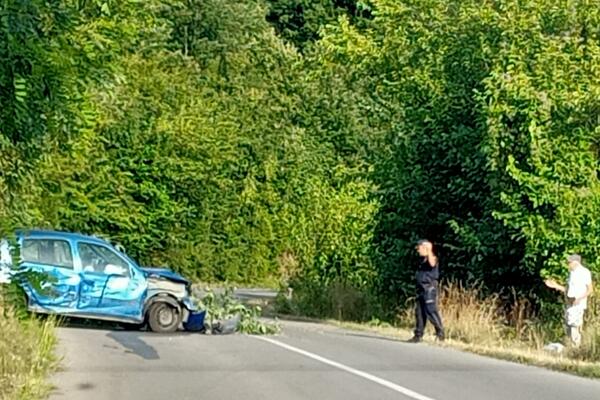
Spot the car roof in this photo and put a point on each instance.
(49, 234)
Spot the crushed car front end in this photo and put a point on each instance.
(165, 285)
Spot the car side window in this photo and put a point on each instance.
(47, 251)
(95, 258)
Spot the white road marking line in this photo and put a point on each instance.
(400, 389)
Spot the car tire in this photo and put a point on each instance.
(163, 317)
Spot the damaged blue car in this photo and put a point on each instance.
(87, 277)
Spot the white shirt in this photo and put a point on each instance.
(579, 279)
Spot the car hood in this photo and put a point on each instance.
(165, 273)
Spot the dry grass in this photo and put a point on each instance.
(26, 355)
(484, 325)
(590, 346)
(469, 318)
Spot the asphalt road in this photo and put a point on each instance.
(307, 361)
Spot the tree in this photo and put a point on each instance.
(301, 21)
(487, 143)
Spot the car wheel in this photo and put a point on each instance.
(163, 318)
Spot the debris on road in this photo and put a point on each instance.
(226, 314)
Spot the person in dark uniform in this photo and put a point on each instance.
(428, 275)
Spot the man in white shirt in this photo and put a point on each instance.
(578, 289)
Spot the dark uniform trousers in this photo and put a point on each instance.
(427, 309)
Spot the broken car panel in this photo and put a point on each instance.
(84, 276)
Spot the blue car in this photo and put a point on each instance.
(84, 276)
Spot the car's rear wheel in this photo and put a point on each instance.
(163, 317)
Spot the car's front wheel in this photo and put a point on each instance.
(163, 318)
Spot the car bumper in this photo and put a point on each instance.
(195, 322)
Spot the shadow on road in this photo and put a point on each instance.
(74, 322)
(367, 336)
(134, 344)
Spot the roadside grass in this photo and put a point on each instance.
(26, 355)
(485, 325)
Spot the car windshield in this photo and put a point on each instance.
(119, 249)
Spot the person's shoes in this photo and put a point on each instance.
(440, 338)
(415, 339)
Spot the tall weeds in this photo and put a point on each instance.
(590, 345)
(26, 354)
(472, 317)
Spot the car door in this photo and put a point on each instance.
(110, 285)
(48, 274)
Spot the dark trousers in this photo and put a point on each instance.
(427, 309)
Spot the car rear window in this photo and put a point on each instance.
(47, 251)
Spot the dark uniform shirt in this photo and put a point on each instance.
(427, 276)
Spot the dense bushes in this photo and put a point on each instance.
(255, 141)
(196, 150)
(491, 123)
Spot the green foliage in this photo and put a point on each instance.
(300, 21)
(35, 85)
(223, 307)
(334, 299)
(490, 125)
(193, 133)
(199, 156)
